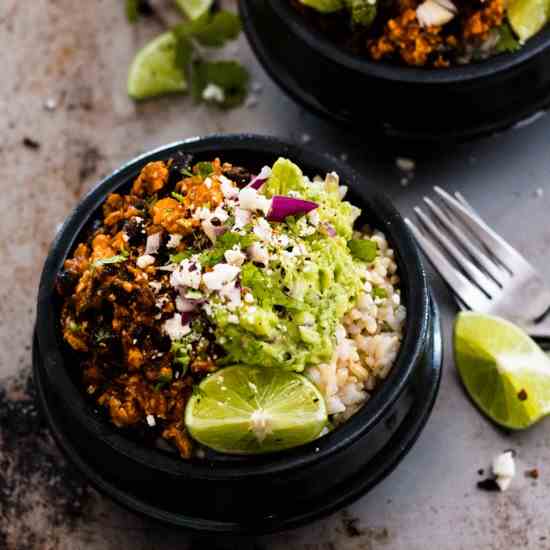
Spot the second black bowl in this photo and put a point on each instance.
(401, 102)
(226, 493)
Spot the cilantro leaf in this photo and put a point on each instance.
(178, 196)
(230, 76)
(363, 249)
(194, 8)
(122, 257)
(507, 41)
(362, 12)
(180, 256)
(214, 30)
(204, 169)
(225, 242)
(379, 292)
(132, 10)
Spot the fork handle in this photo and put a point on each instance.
(537, 331)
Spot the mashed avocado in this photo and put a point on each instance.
(297, 300)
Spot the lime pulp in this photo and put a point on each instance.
(246, 410)
(528, 17)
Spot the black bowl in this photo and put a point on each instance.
(400, 102)
(223, 493)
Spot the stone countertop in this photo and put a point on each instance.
(63, 88)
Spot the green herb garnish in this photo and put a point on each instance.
(178, 196)
(363, 249)
(101, 335)
(379, 292)
(204, 169)
(180, 256)
(225, 242)
(75, 327)
(180, 351)
(122, 257)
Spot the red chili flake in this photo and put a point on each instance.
(533, 473)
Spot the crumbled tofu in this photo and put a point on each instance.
(145, 261)
(250, 199)
(173, 241)
(234, 256)
(151, 420)
(153, 243)
(175, 328)
(187, 274)
(220, 275)
(232, 294)
(504, 469)
(213, 92)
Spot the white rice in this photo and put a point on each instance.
(368, 341)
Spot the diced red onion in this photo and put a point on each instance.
(282, 206)
(260, 179)
(328, 230)
(213, 231)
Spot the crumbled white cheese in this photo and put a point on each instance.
(155, 285)
(188, 273)
(232, 294)
(220, 275)
(250, 199)
(234, 256)
(151, 420)
(504, 468)
(258, 253)
(174, 327)
(145, 261)
(313, 217)
(435, 12)
(153, 243)
(242, 218)
(233, 319)
(263, 230)
(229, 189)
(213, 92)
(202, 213)
(174, 241)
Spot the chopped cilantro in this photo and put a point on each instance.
(178, 196)
(507, 41)
(122, 257)
(230, 76)
(75, 327)
(180, 351)
(180, 256)
(379, 292)
(363, 12)
(101, 335)
(363, 249)
(225, 242)
(204, 169)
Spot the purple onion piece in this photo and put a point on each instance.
(328, 229)
(260, 179)
(282, 206)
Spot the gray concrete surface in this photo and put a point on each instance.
(76, 55)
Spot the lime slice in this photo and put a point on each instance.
(527, 17)
(504, 371)
(246, 410)
(194, 8)
(154, 71)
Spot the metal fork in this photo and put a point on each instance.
(485, 273)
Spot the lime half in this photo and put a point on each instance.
(246, 410)
(154, 71)
(194, 8)
(527, 17)
(504, 371)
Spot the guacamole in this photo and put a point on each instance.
(309, 281)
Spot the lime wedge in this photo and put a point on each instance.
(245, 410)
(194, 8)
(154, 71)
(504, 371)
(527, 17)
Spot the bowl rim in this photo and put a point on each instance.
(417, 302)
(454, 74)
